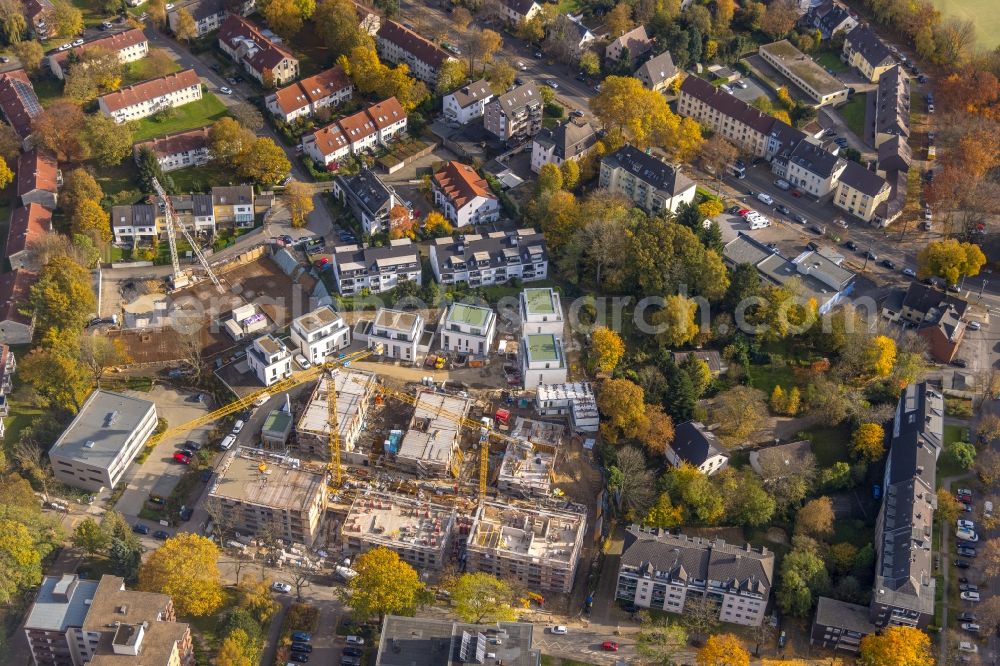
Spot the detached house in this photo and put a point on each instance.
(653, 185)
(543, 360)
(464, 195)
(320, 333)
(398, 332)
(397, 45)
(695, 445)
(468, 102)
(830, 17)
(374, 204)
(261, 57)
(28, 224)
(517, 11)
(862, 192)
(269, 359)
(571, 140)
(938, 316)
(130, 46)
(38, 14)
(177, 151)
(467, 329)
(658, 72)
(633, 44)
(515, 116)
(144, 99)
(867, 53)
(38, 179)
(304, 98)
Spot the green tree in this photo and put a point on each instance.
(384, 585)
(662, 643)
(749, 503)
(79, 185)
(149, 168)
(66, 18)
(90, 537)
(481, 598)
(63, 296)
(20, 560)
(229, 141)
(675, 322)
(803, 578)
(30, 54)
(697, 493)
(963, 453)
(185, 567)
(669, 256)
(265, 163)
(664, 513)
(699, 372)
(950, 260)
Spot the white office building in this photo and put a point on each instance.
(320, 333)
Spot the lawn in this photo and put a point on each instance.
(117, 179)
(765, 377)
(831, 60)
(829, 445)
(198, 178)
(568, 6)
(982, 13)
(947, 465)
(196, 114)
(853, 114)
(48, 89)
(140, 71)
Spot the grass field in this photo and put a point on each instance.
(853, 114)
(140, 71)
(829, 445)
(199, 178)
(196, 114)
(981, 12)
(831, 61)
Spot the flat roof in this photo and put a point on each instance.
(804, 67)
(264, 483)
(353, 388)
(538, 432)
(396, 320)
(540, 301)
(317, 319)
(278, 421)
(549, 534)
(53, 611)
(101, 428)
(399, 520)
(271, 344)
(542, 347)
(472, 315)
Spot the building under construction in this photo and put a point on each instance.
(539, 547)
(355, 389)
(528, 463)
(418, 531)
(254, 494)
(430, 445)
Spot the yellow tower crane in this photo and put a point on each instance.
(334, 467)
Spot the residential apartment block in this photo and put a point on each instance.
(540, 548)
(75, 621)
(374, 204)
(810, 168)
(304, 98)
(354, 390)
(867, 53)
(541, 311)
(664, 571)
(398, 332)
(431, 442)
(260, 56)
(653, 185)
(38, 179)
(177, 151)
(100, 443)
(543, 360)
(254, 495)
(575, 400)
(864, 194)
(492, 258)
(320, 333)
(376, 125)
(269, 359)
(403, 637)
(888, 114)
(464, 196)
(28, 225)
(467, 329)
(939, 317)
(208, 15)
(144, 99)
(418, 531)
(515, 116)
(397, 45)
(377, 269)
(571, 140)
(821, 87)
(468, 102)
(130, 45)
(697, 446)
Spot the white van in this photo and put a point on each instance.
(782, 184)
(765, 198)
(228, 442)
(758, 221)
(988, 509)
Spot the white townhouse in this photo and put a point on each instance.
(376, 269)
(136, 224)
(177, 151)
(398, 332)
(489, 259)
(468, 102)
(144, 99)
(269, 359)
(467, 329)
(810, 168)
(397, 45)
(464, 196)
(130, 46)
(320, 333)
(541, 311)
(543, 360)
(304, 98)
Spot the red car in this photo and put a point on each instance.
(743, 212)
(182, 457)
(609, 646)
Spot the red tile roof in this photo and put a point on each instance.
(357, 126)
(172, 144)
(28, 224)
(330, 139)
(461, 184)
(420, 48)
(386, 113)
(14, 289)
(268, 55)
(36, 171)
(18, 101)
(147, 90)
(116, 42)
(309, 91)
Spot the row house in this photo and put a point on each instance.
(320, 333)
(28, 225)
(38, 179)
(38, 14)
(208, 15)
(142, 224)
(890, 108)
(304, 98)
(374, 204)
(515, 116)
(8, 366)
(374, 126)
(571, 140)
(651, 184)
(262, 57)
(398, 45)
(16, 327)
(19, 104)
(493, 258)
(468, 102)
(144, 99)
(464, 196)
(234, 205)
(177, 151)
(376, 269)
(130, 46)
(867, 53)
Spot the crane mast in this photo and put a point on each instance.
(168, 213)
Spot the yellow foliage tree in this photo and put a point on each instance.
(625, 106)
(6, 175)
(298, 196)
(676, 321)
(483, 598)
(622, 404)
(778, 400)
(185, 568)
(436, 224)
(606, 349)
(793, 402)
(950, 260)
(236, 650)
(868, 442)
(710, 208)
(385, 584)
(896, 646)
(664, 513)
(284, 17)
(881, 355)
(723, 650)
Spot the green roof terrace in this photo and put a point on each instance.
(539, 301)
(469, 315)
(543, 348)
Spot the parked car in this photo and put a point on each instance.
(354, 640)
(968, 587)
(967, 617)
(185, 513)
(966, 551)
(908, 272)
(966, 646)
(139, 528)
(963, 492)
(766, 198)
(962, 564)
(963, 524)
(851, 245)
(871, 255)
(552, 83)
(301, 647)
(967, 535)
(303, 361)
(301, 636)
(800, 218)
(161, 535)
(970, 596)
(352, 651)
(559, 630)
(974, 325)
(609, 646)
(888, 264)
(960, 363)
(182, 458)
(237, 427)
(278, 586)
(782, 209)
(226, 91)
(299, 657)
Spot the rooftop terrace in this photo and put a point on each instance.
(540, 301)
(470, 315)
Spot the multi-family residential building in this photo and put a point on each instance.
(632, 45)
(543, 360)
(144, 99)
(19, 103)
(403, 637)
(840, 625)
(518, 11)
(430, 444)
(28, 226)
(304, 98)
(233, 204)
(541, 311)
(208, 15)
(177, 151)
(374, 204)
(464, 196)
(576, 400)
(893, 155)
(467, 329)
(326, 146)
(821, 87)
(939, 317)
(376, 269)
(135, 224)
(16, 327)
(99, 444)
(398, 332)
(515, 116)
(653, 185)
(863, 193)
(571, 140)
(664, 571)
(320, 333)
(697, 446)
(130, 45)
(539, 547)
(375, 125)
(76, 621)
(810, 167)
(195, 212)
(867, 53)
(256, 495)
(468, 102)
(889, 114)
(262, 57)
(658, 72)
(8, 366)
(38, 14)
(418, 531)
(38, 179)
(489, 259)
(353, 393)
(397, 44)
(830, 17)
(269, 359)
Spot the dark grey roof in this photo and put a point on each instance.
(203, 9)
(745, 249)
(519, 98)
(232, 195)
(894, 154)
(898, 183)
(498, 248)
(522, 7)
(892, 103)
(694, 444)
(472, 92)
(647, 168)
(864, 41)
(102, 427)
(369, 260)
(659, 554)
(710, 356)
(366, 192)
(815, 159)
(925, 298)
(411, 641)
(865, 181)
(852, 617)
(573, 137)
(727, 105)
(833, 18)
(62, 602)
(136, 215)
(658, 68)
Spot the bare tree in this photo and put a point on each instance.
(301, 580)
(717, 154)
(701, 616)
